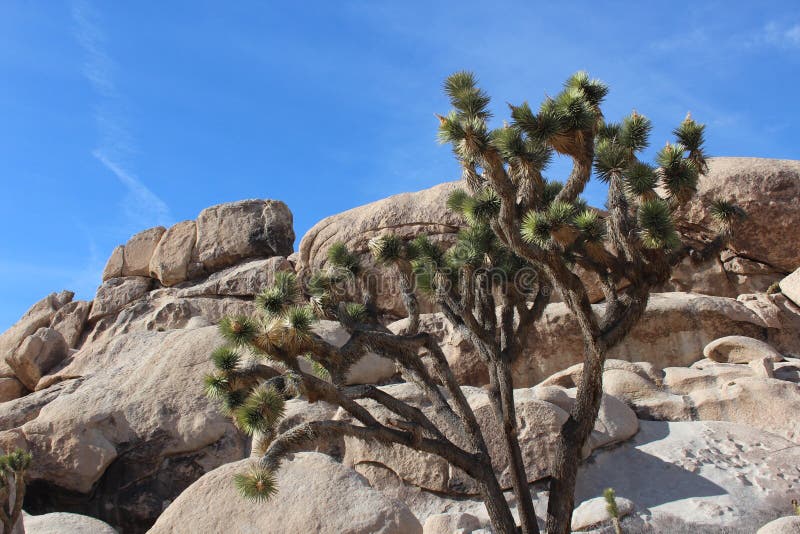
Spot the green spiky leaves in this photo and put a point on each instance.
(678, 174)
(656, 224)
(216, 385)
(725, 213)
(17, 461)
(390, 248)
(470, 101)
(611, 502)
(257, 484)
(691, 135)
(260, 412)
(635, 132)
(640, 180)
(591, 226)
(283, 293)
(478, 209)
(610, 159)
(226, 359)
(341, 258)
(594, 90)
(356, 312)
(299, 319)
(238, 330)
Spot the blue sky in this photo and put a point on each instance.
(115, 117)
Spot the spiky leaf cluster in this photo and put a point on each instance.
(257, 484)
(656, 224)
(340, 257)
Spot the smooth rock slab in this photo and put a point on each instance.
(460, 523)
(65, 523)
(38, 354)
(139, 250)
(593, 513)
(740, 349)
(116, 293)
(171, 257)
(790, 286)
(782, 525)
(315, 494)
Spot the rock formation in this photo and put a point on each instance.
(703, 396)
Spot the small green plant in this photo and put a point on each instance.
(613, 511)
(796, 506)
(12, 476)
(774, 288)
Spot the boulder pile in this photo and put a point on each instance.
(701, 400)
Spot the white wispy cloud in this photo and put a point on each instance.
(116, 144)
(783, 35)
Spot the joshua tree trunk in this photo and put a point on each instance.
(571, 440)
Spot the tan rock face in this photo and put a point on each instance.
(38, 316)
(171, 257)
(370, 369)
(116, 293)
(138, 251)
(244, 280)
(594, 514)
(138, 392)
(316, 494)
(782, 525)
(767, 189)
(449, 523)
(228, 233)
(406, 215)
(790, 286)
(10, 388)
(740, 349)
(38, 354)
(70, 321)
(113, 267)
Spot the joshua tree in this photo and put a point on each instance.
(523, 236)
(12, 483)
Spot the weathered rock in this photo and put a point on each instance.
(133, 433)
(767, 190)
(171, 257)
(458, 523)
(539, 424)
(704, 374)
(228, 233)
(763, 367)
(593, 513)
(406, 215)
(38, 354)
(571, 376)
(673, 332)
(782, 525)
(757, 402)
(114, 264)
(370, 369)
(316, 494)
(70, 321)
(10, 389)
(764, 306)
(139, 250)
(645, 397)
(16, 413)
(160, 311)
(790, 286)
(244, 280)
(740, 349)
(116, 293)
(702, 471)
(467, 366)
(785, 338)
(38, 316)
(65, 523)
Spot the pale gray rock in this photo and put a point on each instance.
(65, 523)
(370, 369)
(139, 250)
(315, 494)
(790, 286)
(457, 523)
(10, 388)
(782, 525)
(592, 514)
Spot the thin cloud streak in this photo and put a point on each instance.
(142, 206)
